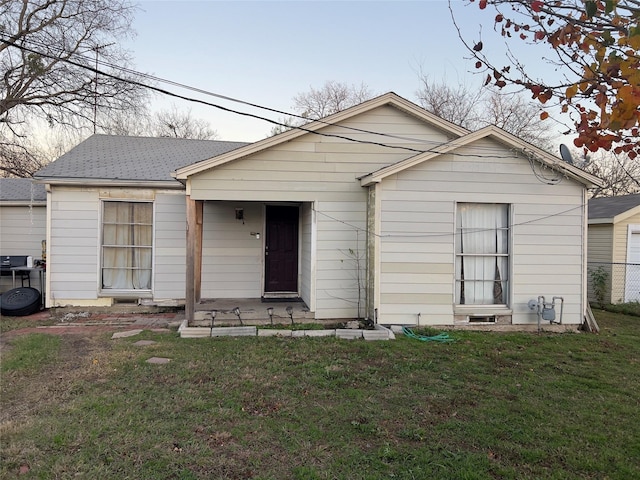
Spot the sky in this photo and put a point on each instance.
(266, 52)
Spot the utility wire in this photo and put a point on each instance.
(224, 97)
(448, 234)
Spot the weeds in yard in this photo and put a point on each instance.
(489, 405)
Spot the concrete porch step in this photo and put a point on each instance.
(253, 314)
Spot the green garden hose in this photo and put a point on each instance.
(441, 337)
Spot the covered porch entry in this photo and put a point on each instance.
(257, 252)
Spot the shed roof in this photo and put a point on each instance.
(611, 207)
(21, 190)
(131, 159)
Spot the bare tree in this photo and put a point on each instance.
(514, 114)
(331, 98)
(620, 174)
(51, 53)
(474, 108)
(173, 123)
(21, 160)
(458, 103)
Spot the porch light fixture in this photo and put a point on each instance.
(270, 313)
(213, 316)
(290, 312)
(236, 312)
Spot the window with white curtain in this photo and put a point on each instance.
(482, 253)
(127, 237)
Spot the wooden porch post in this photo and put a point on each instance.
(193, 283)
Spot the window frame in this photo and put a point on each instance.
(125, 292)
(506, 283)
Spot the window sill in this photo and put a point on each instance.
(126, 293)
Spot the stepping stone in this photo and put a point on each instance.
(159, 360)
(126, 333)
(144, 343)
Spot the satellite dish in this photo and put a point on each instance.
(566, 154)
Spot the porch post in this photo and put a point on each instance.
(373, 251)
(194, 257)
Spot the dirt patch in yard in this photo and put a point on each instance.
(77, 359)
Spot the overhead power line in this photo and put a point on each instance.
(97, 71)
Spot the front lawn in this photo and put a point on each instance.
(488, 405)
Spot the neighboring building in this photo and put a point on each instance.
(382, 211)
(614, 245)
(23, 221)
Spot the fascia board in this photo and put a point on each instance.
(23, 203)
(600, 221)
(624, 215)
(107, 182)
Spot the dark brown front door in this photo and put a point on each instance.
(281, 249)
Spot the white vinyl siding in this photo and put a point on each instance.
(417, 248)
(73, 265)
(317, 170)
(73, 253)
(231, 256)
(170, 246)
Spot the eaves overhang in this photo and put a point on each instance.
(23, 203)
(618, 218)
(110, 182)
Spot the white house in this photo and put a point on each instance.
(382, 211)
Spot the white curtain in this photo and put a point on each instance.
(482, 253)
(127, 241)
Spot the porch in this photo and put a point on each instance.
(250, 311)
(254, 316)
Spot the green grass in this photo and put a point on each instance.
(629, 308)
(487, 406)
(31, 351)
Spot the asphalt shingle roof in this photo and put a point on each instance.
(115, 157)
(609, 207)
(21, 189)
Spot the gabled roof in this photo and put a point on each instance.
(389, 99)
(613, 209)
(22, 191)
(495, 133)
(124, 160)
